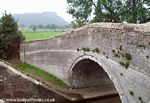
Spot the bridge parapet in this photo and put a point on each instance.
(58, 42)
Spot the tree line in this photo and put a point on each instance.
(130, 11)
(50, 26)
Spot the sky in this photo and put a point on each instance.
(35, 6)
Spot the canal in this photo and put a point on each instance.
(109, 99)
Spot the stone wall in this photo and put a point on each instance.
(14, 87)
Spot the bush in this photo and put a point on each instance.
(86, 49)
(116, 55)
(120, 48)
(141, 46)
(97, 50)
(126, 64)
(127, 55)
(10, 37)
(113, 51)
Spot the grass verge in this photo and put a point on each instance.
(34, 71)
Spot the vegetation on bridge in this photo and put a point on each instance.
(125, 55)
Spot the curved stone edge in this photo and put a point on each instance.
(7, 65)
(145, 27)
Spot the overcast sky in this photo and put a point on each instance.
(35, 6)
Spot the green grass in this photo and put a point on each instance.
(34, 71)
(30, 35)
(41, 33)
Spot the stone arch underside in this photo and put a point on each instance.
(88, 73)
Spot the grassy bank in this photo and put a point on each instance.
(36, 72)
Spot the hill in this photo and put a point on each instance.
(44, 18)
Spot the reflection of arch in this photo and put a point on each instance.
(87, 71)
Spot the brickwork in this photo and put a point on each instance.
(14, 86)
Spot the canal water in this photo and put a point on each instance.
(110, 99)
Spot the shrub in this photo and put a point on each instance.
(96, 50)
(126, 64)
(116, 55)
(141, 46)
(113, 51)
(120, 48)
(127, 55)
(10, 37)
(86, 49)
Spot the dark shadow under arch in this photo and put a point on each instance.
(89, 78)
(88, 73)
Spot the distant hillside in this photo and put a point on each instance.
(45, 18)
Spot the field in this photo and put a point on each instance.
(41, 34)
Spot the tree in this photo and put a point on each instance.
(51, 26)
(10, 37)
(40, 26)
(77, 23)
(34, 28)
(137, 10)
(110, 10)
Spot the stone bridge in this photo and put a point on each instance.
(100, 54)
